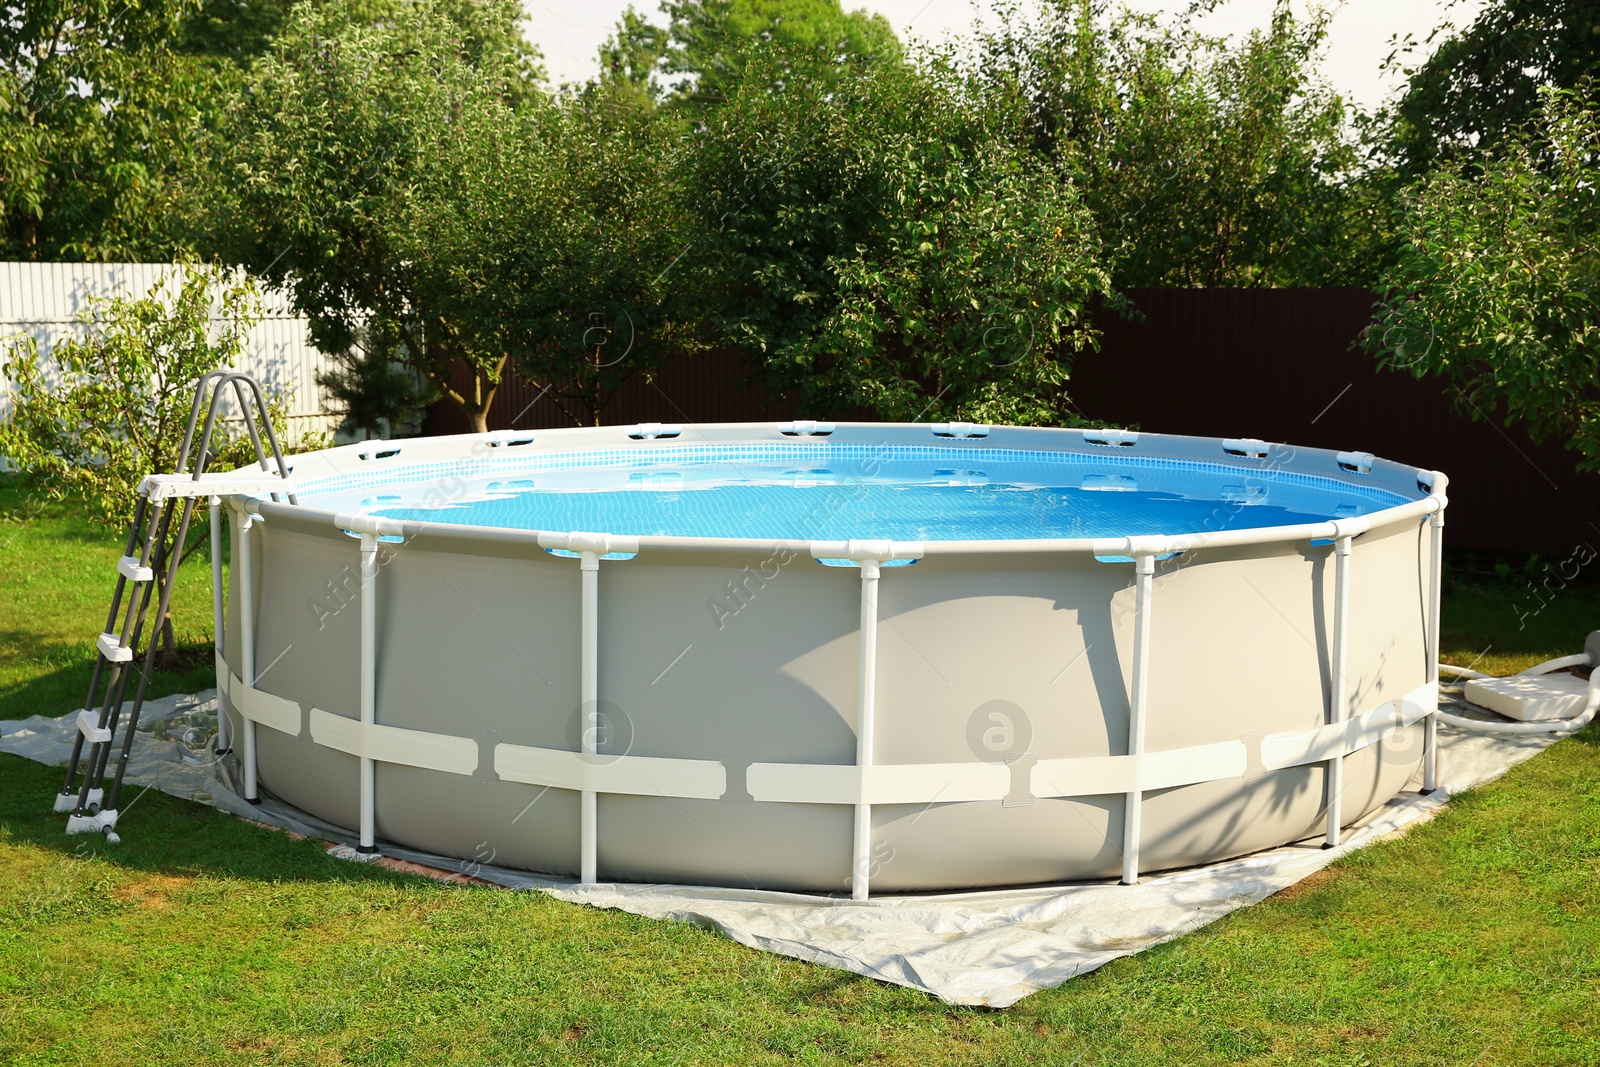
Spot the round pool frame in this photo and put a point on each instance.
(729, 711)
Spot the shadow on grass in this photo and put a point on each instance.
(1514, 620)
(61, 690)
(167, 836)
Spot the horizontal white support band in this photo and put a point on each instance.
(902, 783)
(1298, 747)
(112, 649)
(935, 783)
(265, 708)
(89, 727)
(648, 776)
(1088, 776)
(129, 568)
(160, 487)
(394, 744)
(1189, 766)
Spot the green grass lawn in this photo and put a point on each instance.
(59, 573)
(203, 939)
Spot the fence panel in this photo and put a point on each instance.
(45, 301)
(1283, 365)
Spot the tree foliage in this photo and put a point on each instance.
(1498, 288)
(704, 52)
(376, 394)
(1478, 86)
(337, 145)
(95, 100)
(880, 243)
(557, 232)
(1204, 162)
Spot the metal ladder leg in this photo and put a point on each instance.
(66, 800)
(88, 813)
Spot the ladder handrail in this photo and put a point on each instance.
(239, 380)
(194, 415)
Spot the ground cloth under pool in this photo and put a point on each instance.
(989, 948)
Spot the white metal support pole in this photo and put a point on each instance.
(589, 694)
(369, 687)
(1341, 687)
(1430, 733)
(866, 713)
(216, 614)
(1138, 706)
(247, 651)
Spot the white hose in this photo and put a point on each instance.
(1563, 727)
(1462, 672)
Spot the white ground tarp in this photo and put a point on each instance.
(982, 948)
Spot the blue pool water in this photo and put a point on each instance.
(828, 492)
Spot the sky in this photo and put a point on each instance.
(569, 33)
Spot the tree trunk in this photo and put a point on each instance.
(164, 635)
(476, 406)
(169, 643)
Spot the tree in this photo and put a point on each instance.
(335, 143)
(1204, 162)
(101, 411)
(557, 234)
(94, 104)
(704, 52)
(880, 243)
(1480, 85)
(1497, 290)
(630, 61)
(105, 110)
(378, 395)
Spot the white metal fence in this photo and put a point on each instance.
(46, 301)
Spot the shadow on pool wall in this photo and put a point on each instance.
(725, 744)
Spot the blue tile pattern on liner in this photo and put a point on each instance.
(838, 491)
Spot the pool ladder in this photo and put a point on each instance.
(90, 806)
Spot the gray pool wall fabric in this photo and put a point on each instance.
(718, 735)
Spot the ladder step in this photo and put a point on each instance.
(160, 487)
(129, 568)
(89, 726)
(112, 649)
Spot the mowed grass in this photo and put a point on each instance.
(202, 939)
(57, 573)
(1505, 627)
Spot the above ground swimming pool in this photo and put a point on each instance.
(830, 658)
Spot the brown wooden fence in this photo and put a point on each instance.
(1275, 364)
